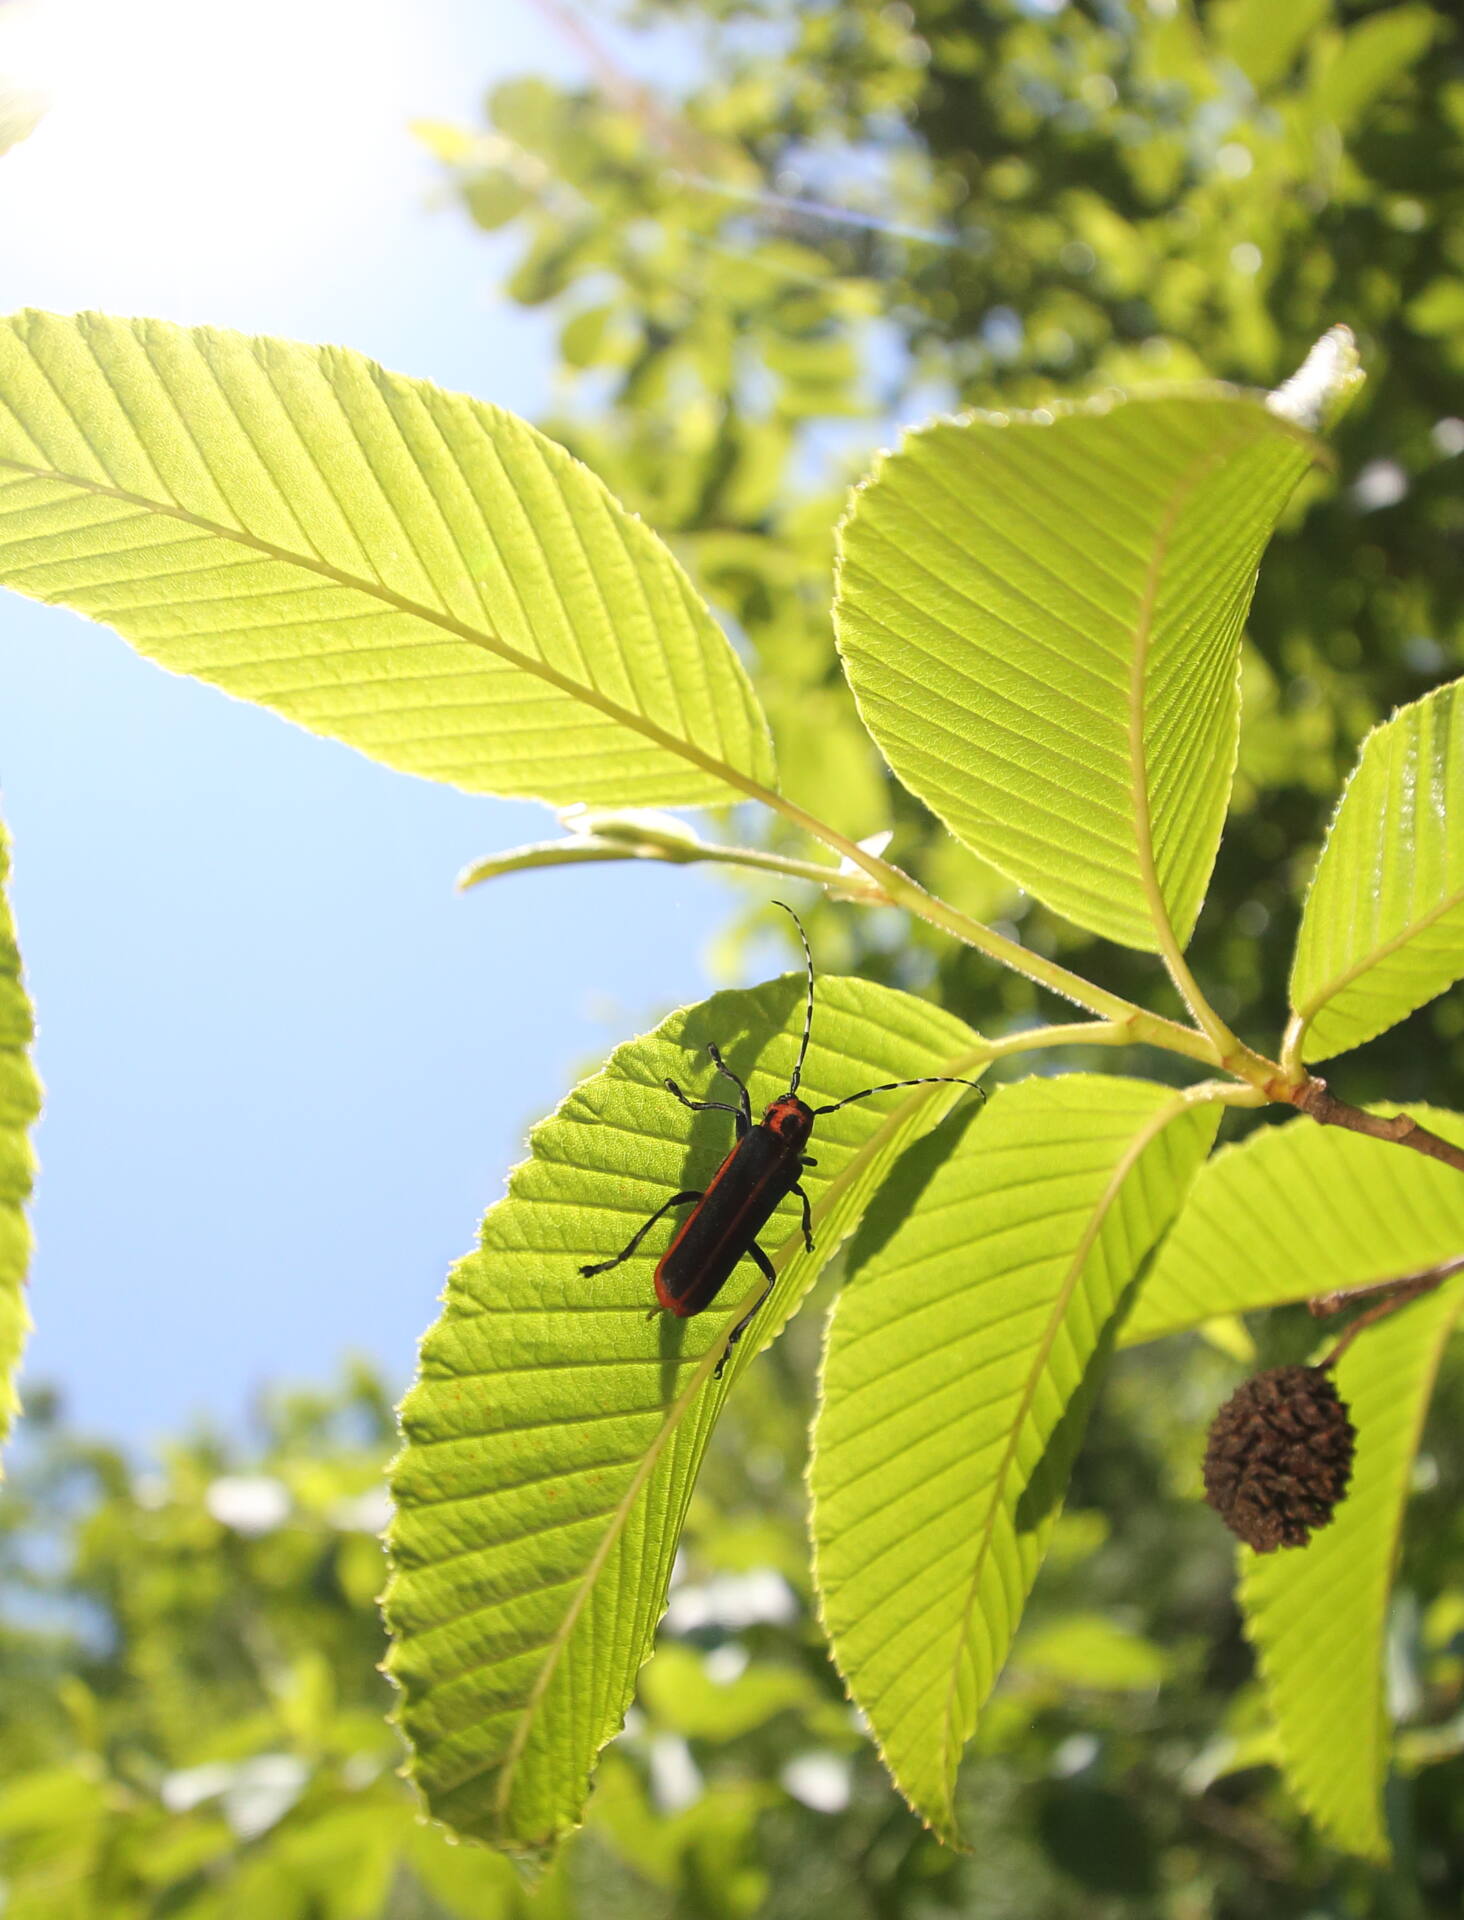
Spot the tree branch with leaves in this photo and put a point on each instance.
(1040, 618)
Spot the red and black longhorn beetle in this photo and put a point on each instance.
(761, 1169)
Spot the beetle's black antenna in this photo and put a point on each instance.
(893, 1086)
(808, 1017)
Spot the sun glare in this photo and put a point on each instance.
(211, 145)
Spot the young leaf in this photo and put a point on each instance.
(961, 1358)
(553, 1434)
(1383, 926)
(1301, 1210)
(1040, 617)
(1318, 1615)
(413, 572)
(20, 1102)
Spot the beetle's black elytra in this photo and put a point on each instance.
(763, 1167)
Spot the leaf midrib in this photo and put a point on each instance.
(621, 1512)
(986, 1535)
(1375, 958)
(486, 640)
(1184, 489)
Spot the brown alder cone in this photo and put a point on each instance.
(1279, 1457)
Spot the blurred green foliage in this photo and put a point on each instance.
(858, 214)
(192, 1724)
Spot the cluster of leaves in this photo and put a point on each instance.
(433, 581)
(191, 1724)
(428, 579)
(869, 209)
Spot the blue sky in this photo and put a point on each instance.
(287, 1066)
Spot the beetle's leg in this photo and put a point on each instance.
(676, 1200)
(808, 1161)
(765, 1267)
(807, 1217)
(727, 1073)
(708, 1106)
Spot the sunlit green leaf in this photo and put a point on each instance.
(961, 1358)
(554, 1431)
(20, 1102)
(1040, 616)
(1318, 1614)
(1301, 1210)
(413, 572)
(1383, 927)
(1375, 52)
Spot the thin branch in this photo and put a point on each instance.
(1201, 1012)
(1327, 1110)
(1326, 1304)
(1401, 1293)
(903, 891)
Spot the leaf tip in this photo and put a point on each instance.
(1323, 385)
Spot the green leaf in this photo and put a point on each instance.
(554, 1433)
(1264, 39)
(961, 1358)
(413, 572)
(467, 1884)
(574, 850)
(1318, 1615)
(1439, 308)
(1301, 1210)
(20, 1102)
(1040, 617)
(678, 1694)
(593, 835)
(1089, 1650)
(1375, 53)
(1383, 926)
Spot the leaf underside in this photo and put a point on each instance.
(1383, 927)
(1318, 1615)
(960, 1361)
(1040, 616)
(1300, 1210)
(554, 1432)
(412, 572)
(20, 1102)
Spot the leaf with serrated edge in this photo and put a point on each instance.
(1318, 1615)
(960, 1358)
(20, 1102)
(1040, 616)
(1383, 927)
(553, 1433)
(413, 572)
(1301, 1210)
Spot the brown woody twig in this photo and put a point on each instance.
(1400, 1292)
(1312, 1098)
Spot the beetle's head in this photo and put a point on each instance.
(789, 1118)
